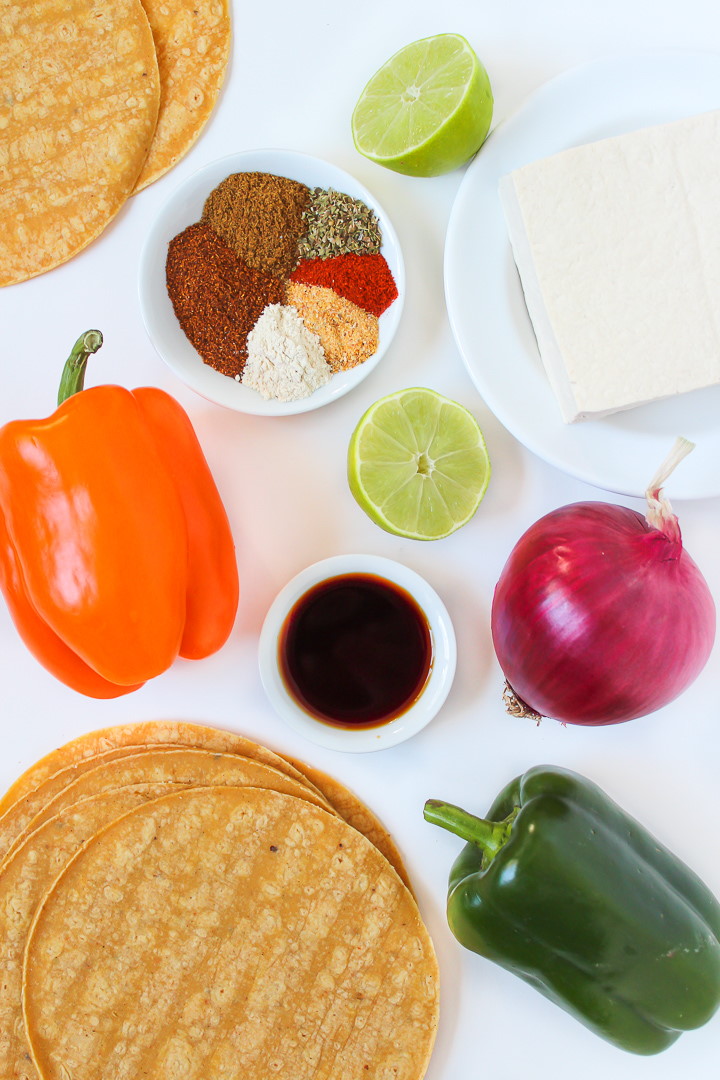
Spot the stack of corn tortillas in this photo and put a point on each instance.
(99, 98)
(177, 901)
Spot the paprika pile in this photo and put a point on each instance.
(116, 554)
(366, 280)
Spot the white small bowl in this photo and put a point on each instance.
(183, 208)
(442, 671)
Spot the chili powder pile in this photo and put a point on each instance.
(217, 298)
(266, 240)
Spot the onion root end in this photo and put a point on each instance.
(515, 705)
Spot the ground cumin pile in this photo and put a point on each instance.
(217, 298)
(260, 217)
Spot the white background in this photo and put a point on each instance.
(295, 74)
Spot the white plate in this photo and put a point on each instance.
(184, 207)
(485, 301)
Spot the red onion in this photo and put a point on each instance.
(600, 615)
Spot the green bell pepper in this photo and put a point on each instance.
(563, 888)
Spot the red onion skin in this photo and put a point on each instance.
(598, 617)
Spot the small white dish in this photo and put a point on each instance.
(418, 715)
(485, 300)
(183, 208)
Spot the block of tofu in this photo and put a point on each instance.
(618, 248)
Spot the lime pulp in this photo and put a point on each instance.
(418, 465)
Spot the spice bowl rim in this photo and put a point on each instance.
(182, 208)
(428, 703)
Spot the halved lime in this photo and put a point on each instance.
(427, 110)
(418, 464)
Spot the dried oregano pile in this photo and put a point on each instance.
(279, 285)
(337, 224)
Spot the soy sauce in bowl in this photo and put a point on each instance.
(355, 651)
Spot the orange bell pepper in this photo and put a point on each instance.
(116, 554)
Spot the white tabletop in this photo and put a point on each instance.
(295, 74)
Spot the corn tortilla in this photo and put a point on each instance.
(18, 816)
(38, 784)
(196, 768)
(192, 41)
(80, 99)
(174, 732)
(224, 932)
(353, 810)
(24, 881)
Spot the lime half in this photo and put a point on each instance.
(418, 464)
(427, 110)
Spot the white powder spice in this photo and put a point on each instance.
(285, 360)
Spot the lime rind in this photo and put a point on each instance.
(429, 482)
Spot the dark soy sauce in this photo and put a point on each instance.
(355, 651)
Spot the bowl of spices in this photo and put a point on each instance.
(271, 282)
(357, 653)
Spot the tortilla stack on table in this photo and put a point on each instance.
(229, 931)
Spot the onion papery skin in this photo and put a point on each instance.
(598, 617)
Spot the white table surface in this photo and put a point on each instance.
(295, 74)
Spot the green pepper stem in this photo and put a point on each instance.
(488, 836)
(72, 379)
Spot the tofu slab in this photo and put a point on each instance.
(617, 244)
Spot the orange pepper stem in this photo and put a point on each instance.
(72, 379)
